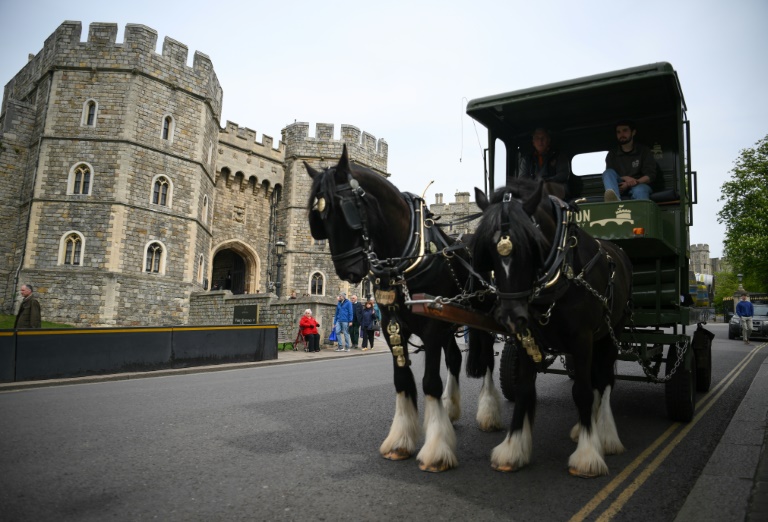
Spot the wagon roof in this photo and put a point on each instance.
(602, 99)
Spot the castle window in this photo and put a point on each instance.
(200, 266)
(90, 110)
(80, 179)
(162, 191)
(316, 284)
(205, 209)
(168, 128)
(155, 259)
(71, 248)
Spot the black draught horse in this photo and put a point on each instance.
(558, 290)
(375, 230)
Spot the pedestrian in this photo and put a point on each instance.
(308, 326)
(342, 320)
(357, 315)
(368, 324)
(29, 309)
(745, 311)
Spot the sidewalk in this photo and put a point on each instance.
(287, 357)
(734, 483)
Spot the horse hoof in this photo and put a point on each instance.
(397, 454)
(576, 473)
(489, 429)
(433, 469)
(505, 468)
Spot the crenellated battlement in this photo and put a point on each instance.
(362, 146)
(64, 50)
(245, 138)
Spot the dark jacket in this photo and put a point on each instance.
(368, 321)
(637, 163)
(552, 168)
(358, 310)
(29, 314)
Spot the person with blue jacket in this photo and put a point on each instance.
(342, 320)
(745, 311)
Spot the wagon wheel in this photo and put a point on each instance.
(680, 390)
(509, 370)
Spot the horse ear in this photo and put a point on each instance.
(480, 199)
(531, 204)
(312, 172)
(344, 168)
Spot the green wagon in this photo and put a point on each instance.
(580, 115)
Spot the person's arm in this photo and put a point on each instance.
(34, 317)
(648, 169)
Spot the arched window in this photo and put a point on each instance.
(205, 210)
(316, 284)
(80, 179)
(90, 110)
(169, 126)
(200, 266)
(155, 258)
(162, 191)
(71, 248)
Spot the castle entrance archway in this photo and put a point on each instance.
(235, 268)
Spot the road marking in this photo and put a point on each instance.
(714, 393)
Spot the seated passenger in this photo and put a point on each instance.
(630, 168)
(545, 163)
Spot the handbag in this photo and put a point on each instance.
(332, 337)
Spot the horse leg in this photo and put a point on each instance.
(587, 461)
(489, 403)
(451, 395)
(439, 450)
(517, 448)
(404, 433)
(605, 379)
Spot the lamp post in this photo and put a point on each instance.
(740, 276)
(279, 251)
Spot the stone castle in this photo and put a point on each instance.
(122, 198)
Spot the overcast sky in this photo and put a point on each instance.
(403, 70)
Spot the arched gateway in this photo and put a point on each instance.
(235, 267)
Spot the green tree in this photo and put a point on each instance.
(745, 215)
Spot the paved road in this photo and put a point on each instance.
(299, 442)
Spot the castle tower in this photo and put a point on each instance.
(249, 179)
(700, 261)
(307, 263)
(114, 145)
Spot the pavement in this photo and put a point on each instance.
(733, 485)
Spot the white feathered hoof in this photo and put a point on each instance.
(439, 451)
(587, 461)
(489, 405)
(515, 452)
(400, 444)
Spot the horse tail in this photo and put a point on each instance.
(480, 357)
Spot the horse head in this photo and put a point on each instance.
(347, 205)
(512, 240)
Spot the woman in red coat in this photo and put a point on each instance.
(308, 326)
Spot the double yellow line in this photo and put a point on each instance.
(702, 406)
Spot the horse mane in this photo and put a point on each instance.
(527, 238)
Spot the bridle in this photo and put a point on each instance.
(560, 256)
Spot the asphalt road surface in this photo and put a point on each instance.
(300, 442)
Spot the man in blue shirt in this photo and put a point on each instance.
(745, 311)
(342, 320)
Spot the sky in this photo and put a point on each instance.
(403, 71)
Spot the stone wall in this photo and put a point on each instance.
(217, 308)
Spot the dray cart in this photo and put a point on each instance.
(580, 115)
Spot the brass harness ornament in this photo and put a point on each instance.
(395, 342)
